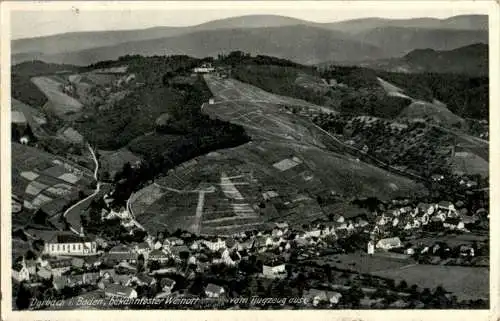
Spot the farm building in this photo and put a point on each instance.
(389, 243)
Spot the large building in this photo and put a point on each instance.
(70, 244)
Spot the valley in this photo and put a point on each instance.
(231, 158)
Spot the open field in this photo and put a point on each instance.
(470, 163)
(467, 283)
(231, 89)
(422, 109)
(59, 102)
(363, 263)
(464, 282)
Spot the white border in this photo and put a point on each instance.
(487, 7)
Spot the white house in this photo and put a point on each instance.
(389, 243)
(159, 256)
(370, 248)
(215, 245)
(20, 272)
(316, 297)
(273, 270)
(70, 244)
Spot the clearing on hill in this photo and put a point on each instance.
(63, 105)
(437, 112)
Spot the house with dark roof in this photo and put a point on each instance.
(20, 272)
(58, 266)
(214, 291)
(69, 244)
(117, 290)
(122, 253)
(167, 285)
(159, 256)
(179, 250)
(141, 279)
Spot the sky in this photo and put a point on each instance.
(71, 17)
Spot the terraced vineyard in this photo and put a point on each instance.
(288, 155)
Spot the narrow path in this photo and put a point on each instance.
(199, 212)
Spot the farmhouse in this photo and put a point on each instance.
(389, 243)
(69, 244)
(204, 69)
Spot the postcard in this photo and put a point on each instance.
(212, 160)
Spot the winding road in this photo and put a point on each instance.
(72, 214)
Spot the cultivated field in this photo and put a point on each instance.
(41, 179)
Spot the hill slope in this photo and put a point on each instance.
(288, 155)
(462, 22)
(471, 60)
(395, 37)
(398, 41)
(293, 42)
(76, 41)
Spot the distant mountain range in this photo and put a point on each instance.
(299, 40)
(471, 60)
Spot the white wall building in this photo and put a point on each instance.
(69, 244)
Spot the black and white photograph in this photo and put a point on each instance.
(247, 156)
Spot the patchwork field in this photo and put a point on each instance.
(42, 180)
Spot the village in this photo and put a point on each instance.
(184, 265)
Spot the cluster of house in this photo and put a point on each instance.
(408, 217)
(161, 256)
